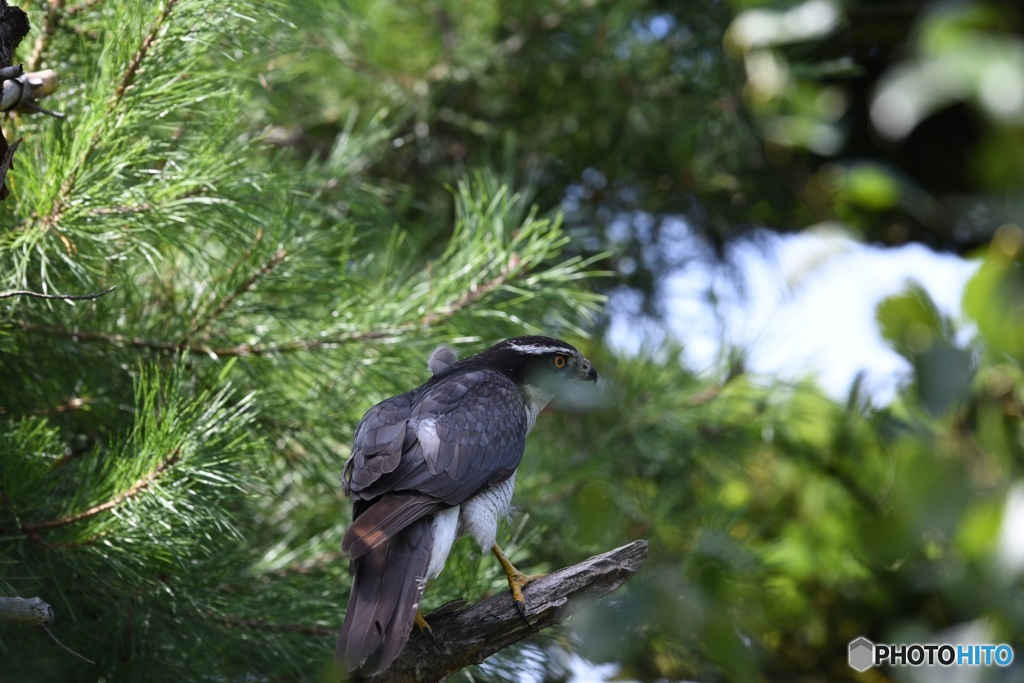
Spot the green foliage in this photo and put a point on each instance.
(995, 297)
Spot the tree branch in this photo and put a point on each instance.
(509, 271)
(133, 67)
(203, 322)
(295, 346)
(53, 638)
(27, 611)
(139, 485)
(468, 635)
(243, 349)
(14, 27)
(66, 297)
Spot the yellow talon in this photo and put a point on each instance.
(516, 579)
(424, 627)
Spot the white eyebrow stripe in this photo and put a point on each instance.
(535, 350)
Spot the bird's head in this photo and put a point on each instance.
(543, 366)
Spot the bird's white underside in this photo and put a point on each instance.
(478, 517)
(444, 526)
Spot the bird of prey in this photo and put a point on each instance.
(433, 464)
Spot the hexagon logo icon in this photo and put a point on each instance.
(862, 654)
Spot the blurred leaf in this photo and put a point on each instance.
(979, 529)
(871, 186)
(910, 322)
(913, 326)
(943, 377)
(994, 297)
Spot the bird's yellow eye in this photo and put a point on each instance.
(559, 361)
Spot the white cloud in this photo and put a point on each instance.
(800, 305)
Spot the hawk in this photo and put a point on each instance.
(433, 464)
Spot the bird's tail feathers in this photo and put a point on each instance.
(387, 585)
(385, 518)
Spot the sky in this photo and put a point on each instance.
(798, 305)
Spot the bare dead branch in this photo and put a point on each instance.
(22, 92)
(468, 635)
(26, 611)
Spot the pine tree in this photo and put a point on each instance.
(170, 453)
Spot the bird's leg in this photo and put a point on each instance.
(516, 579)
(425, 629)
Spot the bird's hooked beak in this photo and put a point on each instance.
(587, 371)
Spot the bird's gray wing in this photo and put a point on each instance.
(458, 435)
(378, 442)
